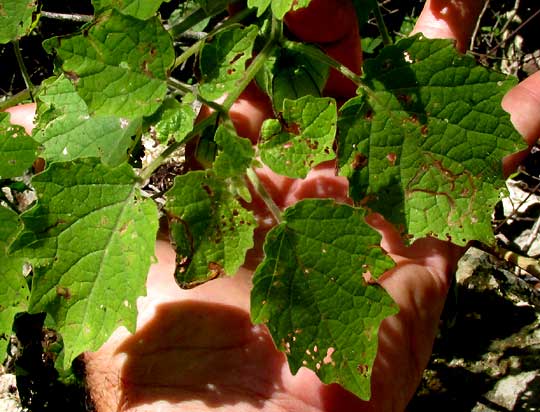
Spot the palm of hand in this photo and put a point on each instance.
(197, 349)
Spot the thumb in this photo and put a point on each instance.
(443, 19)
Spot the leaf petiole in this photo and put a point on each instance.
(260, 189)
(186, 88)
(18, 55)
(17, 98)
(387, 40)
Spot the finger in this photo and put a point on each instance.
(249, 112)
(23, 115)
(324, 21)
(334, 27)
(523, 105)
(449, 20)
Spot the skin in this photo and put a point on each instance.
(196, 350)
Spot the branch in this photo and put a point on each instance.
(79, 18)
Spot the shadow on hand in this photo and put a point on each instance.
(200, 353)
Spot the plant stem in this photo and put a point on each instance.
(15, 99)
(22, 68)
(194, 48)
(526, 263)
(158, 161)
(80, 18)
(222, 110)
(387, 40)
(317, 54)
(196, 17)
(261, 190)
(186, 88)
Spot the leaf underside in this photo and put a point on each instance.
(311, 292)
(15, 19)
(119, 64)
(17, 150)
(14, 292)
(210, 230)
(424, 146)
(223, 61)
(67, 130)
(304, 140)
(89, 225)
(141, 9)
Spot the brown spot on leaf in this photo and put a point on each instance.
(404, 98)
(369, 115)
(208, 190)
(363, 369)
(215, 270)
(146, 69)
(360, 161)
(391, 158)
(74, 77)
(312, 144)
(292, 128)
(236, 58)
(63, 292)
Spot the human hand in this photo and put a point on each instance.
(197, 350)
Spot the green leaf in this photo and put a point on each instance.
(261, 5)
(424, 146)
(173, 121)
(90, 239)
(223, 60)
(235, 155)
(370, 44)
(68, 131)
(14, 292)
(210, 230)
(17, 150)
(297, 75)
(119, 64)
(311, 293)
(281, 7)
(212, 7)
(305, 139)
(136, 8)
(15, 19)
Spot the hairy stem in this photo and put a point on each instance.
(196, 17)
(22, 68)
(16, 99)
(387, 40)
(222, 110)
(261, 190)
(79, 18)
(186, 88)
